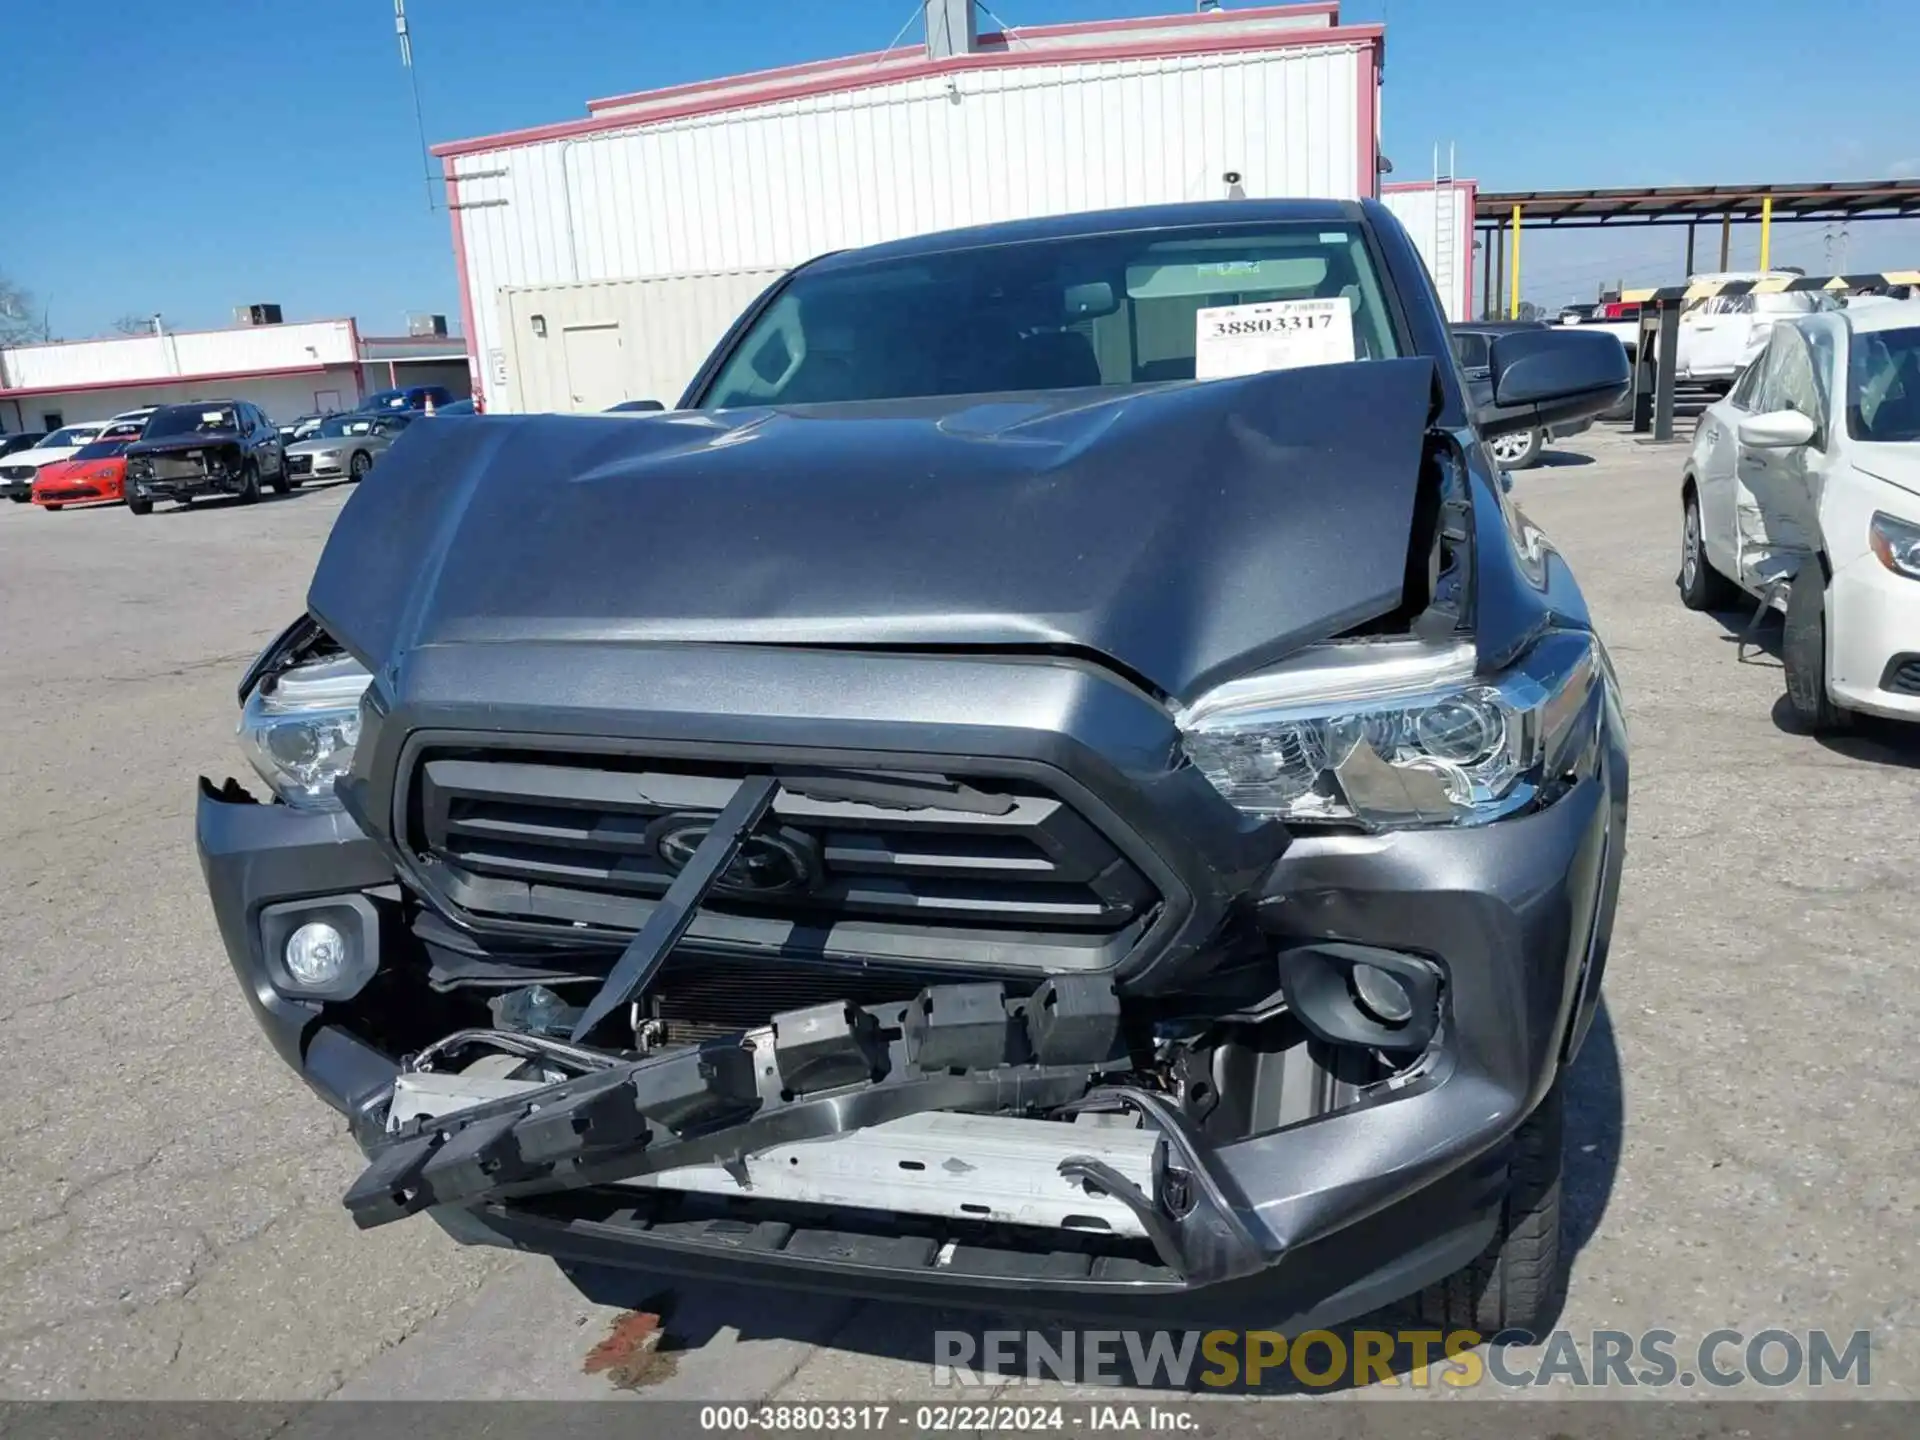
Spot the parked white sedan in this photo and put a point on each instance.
(1803, 491)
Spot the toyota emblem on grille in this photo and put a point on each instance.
(778, 862)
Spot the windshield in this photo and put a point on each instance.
(1084, 310)
(104, 449)
(338, 427)
(72, 435)
(1883, 385)
(190, 420)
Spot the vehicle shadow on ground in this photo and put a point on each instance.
(1871, 740)
(215, 503)
(1561, 460)
(1762, 641)
(693, 1315)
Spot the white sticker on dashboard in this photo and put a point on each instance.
(1273, 335)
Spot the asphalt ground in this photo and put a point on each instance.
(1741, 1147)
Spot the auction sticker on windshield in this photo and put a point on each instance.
(1273, 335)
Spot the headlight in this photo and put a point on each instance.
(299, 729)
(1392, 732)
(1897, 545)
(320, 457)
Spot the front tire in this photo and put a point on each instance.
(358, 466)
(1519, 451)
(140, 507)
(1803, 653)
(19, 499)
(1520, 1279)
(1701, 586)
(283, 482)
(249, 483)
(53, 507)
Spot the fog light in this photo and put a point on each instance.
(1348, 994)
(1381, 995)
(316, 954)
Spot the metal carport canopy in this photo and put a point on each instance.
(1688, 204)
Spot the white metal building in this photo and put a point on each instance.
(706, 191)
(286, 370)
(1438, 215)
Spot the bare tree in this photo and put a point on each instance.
(19, 324)
(131, 324)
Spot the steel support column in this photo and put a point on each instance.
(1513, 302)
(1666, 365)
(1489, 296)
(1498, 242)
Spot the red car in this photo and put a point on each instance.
(96, 472)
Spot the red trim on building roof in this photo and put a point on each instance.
(1369, 36)
(207, 379)
(1402, 187)
(1472, 187)
(995, 40)
(774, 76)
(1367, 82)
(474, 380)
(1329, 8)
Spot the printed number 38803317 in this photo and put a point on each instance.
(1273, 324)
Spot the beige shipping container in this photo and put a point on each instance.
(581, 348)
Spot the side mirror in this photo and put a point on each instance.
(629, 406)
(1777, 430)
(1550, 376)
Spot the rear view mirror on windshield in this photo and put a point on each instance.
(1089, 301)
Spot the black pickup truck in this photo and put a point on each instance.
(1065, 704)
(209, 447)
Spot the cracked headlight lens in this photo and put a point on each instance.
(299, 729)
(1389, 733)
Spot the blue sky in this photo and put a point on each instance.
(242, 150)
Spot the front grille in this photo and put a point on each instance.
(582, 843)
(299, 464)
(1903, 675)
(17, 472)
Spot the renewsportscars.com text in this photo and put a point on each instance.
(1460, 1359)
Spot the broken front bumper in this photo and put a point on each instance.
(1310, 1222)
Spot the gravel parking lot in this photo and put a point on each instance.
(1744, 1155)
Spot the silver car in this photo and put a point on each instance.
(344, 445)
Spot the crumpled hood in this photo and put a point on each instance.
(1188, 532)
(175, 444)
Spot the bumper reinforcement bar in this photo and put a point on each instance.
(818, 1073)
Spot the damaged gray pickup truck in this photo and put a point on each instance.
(1055, 779)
